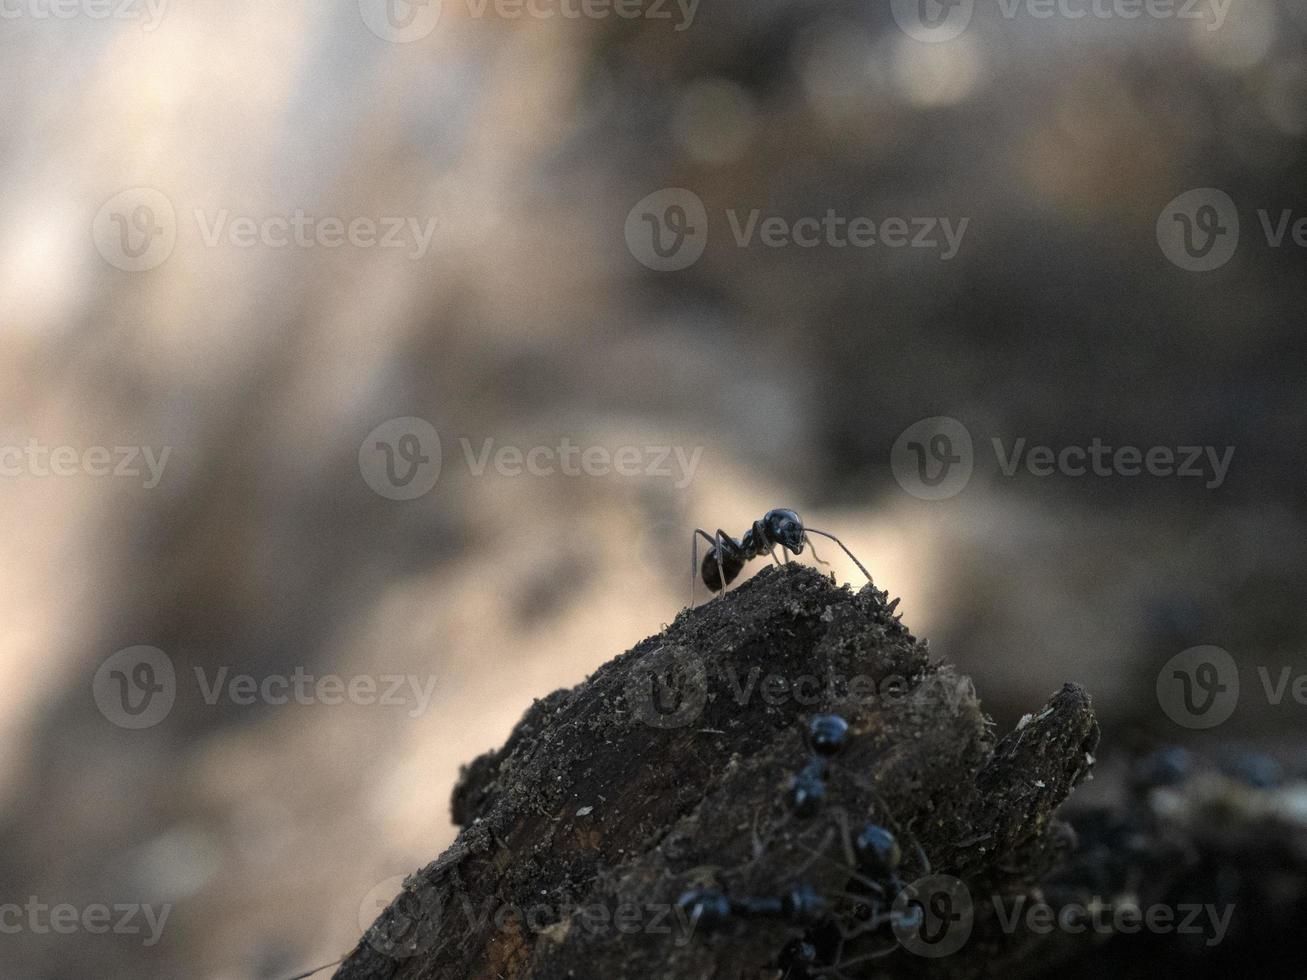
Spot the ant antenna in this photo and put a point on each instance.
(827, 534)
(317, 969)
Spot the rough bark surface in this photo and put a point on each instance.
(668, 770)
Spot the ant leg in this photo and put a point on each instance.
(921, 856)
(826, 534)
(694, 557)
(870, 884)
(773, 556)
(837, 969)
(841, 818)
(302, 976)
(817, 854)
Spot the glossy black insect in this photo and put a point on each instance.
(852, 934)
(712, 909)
(844, 927)
(727, 555)
(827, 734)
(833, 923)
(808, 789)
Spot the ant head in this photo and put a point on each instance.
(785, 528)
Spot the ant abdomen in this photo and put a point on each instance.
(731, 566)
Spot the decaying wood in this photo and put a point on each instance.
(667, 770)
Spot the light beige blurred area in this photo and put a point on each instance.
(238, 240)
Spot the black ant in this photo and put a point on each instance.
(728, 555)
(874, 886)
(712, 909)
(827, 735)
(873, 860)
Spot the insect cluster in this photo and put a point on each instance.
(831, 922)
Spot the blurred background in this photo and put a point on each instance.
(313, 312)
